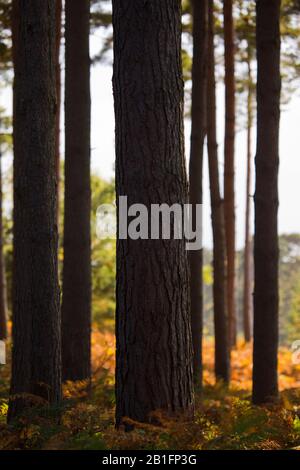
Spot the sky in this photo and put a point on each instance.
(102, 151)
(289, 173)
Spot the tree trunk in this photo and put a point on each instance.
(199, 80)
(3, 303)
(247, 300)
(58, 98)
(265, 384)
(217, 215)
(36, 367)
(154, 345)
(76, 302)
(229, 204)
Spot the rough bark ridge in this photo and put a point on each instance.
(199, 90)
(222, 363)
(76, 302)
(154, 345)
(265, 384)
(247, 300)
(36, 357)
(229, 208)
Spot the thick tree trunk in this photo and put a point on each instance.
(222, 363)
(36, 367)
(198, 132)
(76, 302)
(154, 345)
(247, 300)
(229, 207)
(58, 98)
(265, 384)
(3, 303)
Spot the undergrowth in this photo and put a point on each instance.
(224, 417)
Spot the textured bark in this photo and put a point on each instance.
(222, 363)
(3, 303)
(198, 132)
(76, 302)
(265, 384)
(58, 98)
(36, 368)
(247, 300)
(154, 345)
(229, 197)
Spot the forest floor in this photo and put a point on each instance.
(224, 418)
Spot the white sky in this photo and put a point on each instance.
(289, 175)
(102, 138)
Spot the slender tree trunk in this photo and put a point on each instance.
(36, 367)
(222, 365)
(3, 303)
(199, 89)
(265, 384)
(58, 97)
(229, 198)
(247, 301)
(154, 344)
(76, 302)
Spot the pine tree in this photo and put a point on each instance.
(217, 215)
(198, 132)
(265, 384)
(154, 345)
(76, 301)
(3, 303)
(247, 294)
(36, 368)
(229, 197)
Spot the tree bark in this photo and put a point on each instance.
(76, 302)
(265, 384)
(229, 197)
(3, 302)
(58, 97)
(154, 345)
(222, 363)
(36, 366)
(247, 300)
(198, 132)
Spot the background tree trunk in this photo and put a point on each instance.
(154, 345)
(229, 197)
(76, 302)
(36, 356)
(198, 131)
(3, 303)
(247, 300)
(217, 214)
(265, 384)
